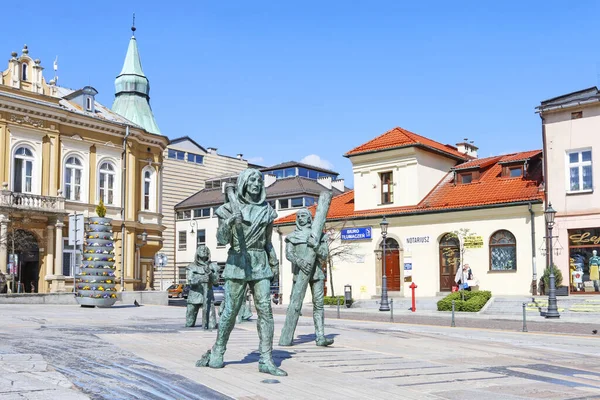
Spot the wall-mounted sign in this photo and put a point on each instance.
(582, 237)
(356, 233)
(473, 242)
(410, 240)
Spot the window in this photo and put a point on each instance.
(515, 172)
(309, 201)
(284, 203)
(312, 174)
(387, 188)
(202, 213)
(200, 237)
(214, 212)
(88, 103)
(72, 258)
(466, 178)
(24, 72)
(290, 172)
(23, 170)
(503, 251)
(195, 158)
(73, 174)
(576, 114)
(186, 214)
(106, 183)
(182, 240)
(176, 155)
(580, 171)
(296, 202)
(278, 173)
(303, 172)
(148, 189)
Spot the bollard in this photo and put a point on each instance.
(524, 317)
(414, 306)
(392, 310)
(453, 324)
(338, 307)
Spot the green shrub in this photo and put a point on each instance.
(332, 301)
(557, 277)
(101, 209)
(474, 301)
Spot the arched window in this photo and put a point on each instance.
(23, 170)
(106, 183)
(449, 261)
(503, 251)
(73, 174)
(148, 189)
(24, 72)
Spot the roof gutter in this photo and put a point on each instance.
(419, 145)
(571, 104)
(533, 260)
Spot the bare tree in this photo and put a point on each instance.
(465, 238)
(339, 250)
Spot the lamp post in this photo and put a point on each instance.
(384, 305)
(552, 305)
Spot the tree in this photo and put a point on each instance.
(463, 235)
(339, 250)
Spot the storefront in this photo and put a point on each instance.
(584, 260)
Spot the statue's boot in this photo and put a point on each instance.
(212, 358)
(320, 329)
(323, 341)
(268, 367)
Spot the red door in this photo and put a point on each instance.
(392, 270)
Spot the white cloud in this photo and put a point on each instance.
(317, 161)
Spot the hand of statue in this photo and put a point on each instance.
(312, 242)
(304, 266)
(236, 218)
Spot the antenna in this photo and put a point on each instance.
(133, 25)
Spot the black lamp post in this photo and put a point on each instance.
(552, 305)
(384, 305)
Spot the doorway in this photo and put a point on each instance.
(449, 261)
(392, 264)
(27, 272)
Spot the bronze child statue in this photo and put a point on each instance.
(246, 224)
(201, 276)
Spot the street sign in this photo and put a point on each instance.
(356, 233)
(161, 259)
(75, 229)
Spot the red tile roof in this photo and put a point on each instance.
(490, 189)
(398, 138)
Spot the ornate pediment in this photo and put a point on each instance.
(26, 120)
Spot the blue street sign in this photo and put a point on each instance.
(356, 233)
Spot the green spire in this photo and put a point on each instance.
(132, 91)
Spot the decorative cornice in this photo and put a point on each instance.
(27, 120)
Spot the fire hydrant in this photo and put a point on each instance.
(414, 306)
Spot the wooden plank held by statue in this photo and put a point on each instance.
(302, 280)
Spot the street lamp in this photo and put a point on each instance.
(552, 312)
(384, 305)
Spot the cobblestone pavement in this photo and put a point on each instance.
(146, 353)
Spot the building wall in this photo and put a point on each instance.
(363, 271)
(181, 179)
(431, 168)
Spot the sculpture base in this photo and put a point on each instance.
(90, 301)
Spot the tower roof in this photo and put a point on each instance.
(132, 91)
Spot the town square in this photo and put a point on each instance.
(322, 200)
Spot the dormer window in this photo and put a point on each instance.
(513, 171)
(466, 178)
(88, 103)
(24, 72)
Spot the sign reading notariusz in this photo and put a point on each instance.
(409, 240)
(356, 233)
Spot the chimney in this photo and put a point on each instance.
(269, 179)
(212, 150)
(240, 156)
(338, 184)
(325, 181)
(467, 147)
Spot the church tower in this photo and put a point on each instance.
(132, 90)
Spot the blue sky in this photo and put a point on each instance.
(282, 80)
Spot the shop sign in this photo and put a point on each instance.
(582, 237)
(356, 233)
(473, 242)
(411, 240)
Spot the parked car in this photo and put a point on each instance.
(175, 290)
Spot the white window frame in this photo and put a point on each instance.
(115, 184)
(72, 184)
(26, 159)
(73, 255)
(152, 189)
(182, 244)
(580, 164)
(197, 235)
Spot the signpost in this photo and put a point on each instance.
(356, 233)
(75, 237)
(161, 260)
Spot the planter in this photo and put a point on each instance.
(562, 291)
(95, 284)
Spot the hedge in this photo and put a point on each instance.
(332, 301)
(474, 301)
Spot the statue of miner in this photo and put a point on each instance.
(201, 276)
(246, 224)
(307, 271)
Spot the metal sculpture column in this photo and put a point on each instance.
(385, 305)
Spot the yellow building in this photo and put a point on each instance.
(61, 152)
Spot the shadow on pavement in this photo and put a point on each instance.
(311, 338)
(278, 356)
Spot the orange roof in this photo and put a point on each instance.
(398, 138)
(490, 189)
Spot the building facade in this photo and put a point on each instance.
(62, 152)
(445, 208)
(569, 128)
(187, 166)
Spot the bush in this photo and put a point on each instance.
(332, 301)
(101, 209)
(474, 301)
(557, 277)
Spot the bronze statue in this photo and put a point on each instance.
(307, 250)
(201, 276)
(246, 224)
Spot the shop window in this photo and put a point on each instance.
(580, 171)
(503, 251)
(387, 187)
(584, 261)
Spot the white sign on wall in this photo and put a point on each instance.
(75, 229)
(412, 240)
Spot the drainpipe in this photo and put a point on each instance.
(545, 171)
(123, 178)
(534, 268)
